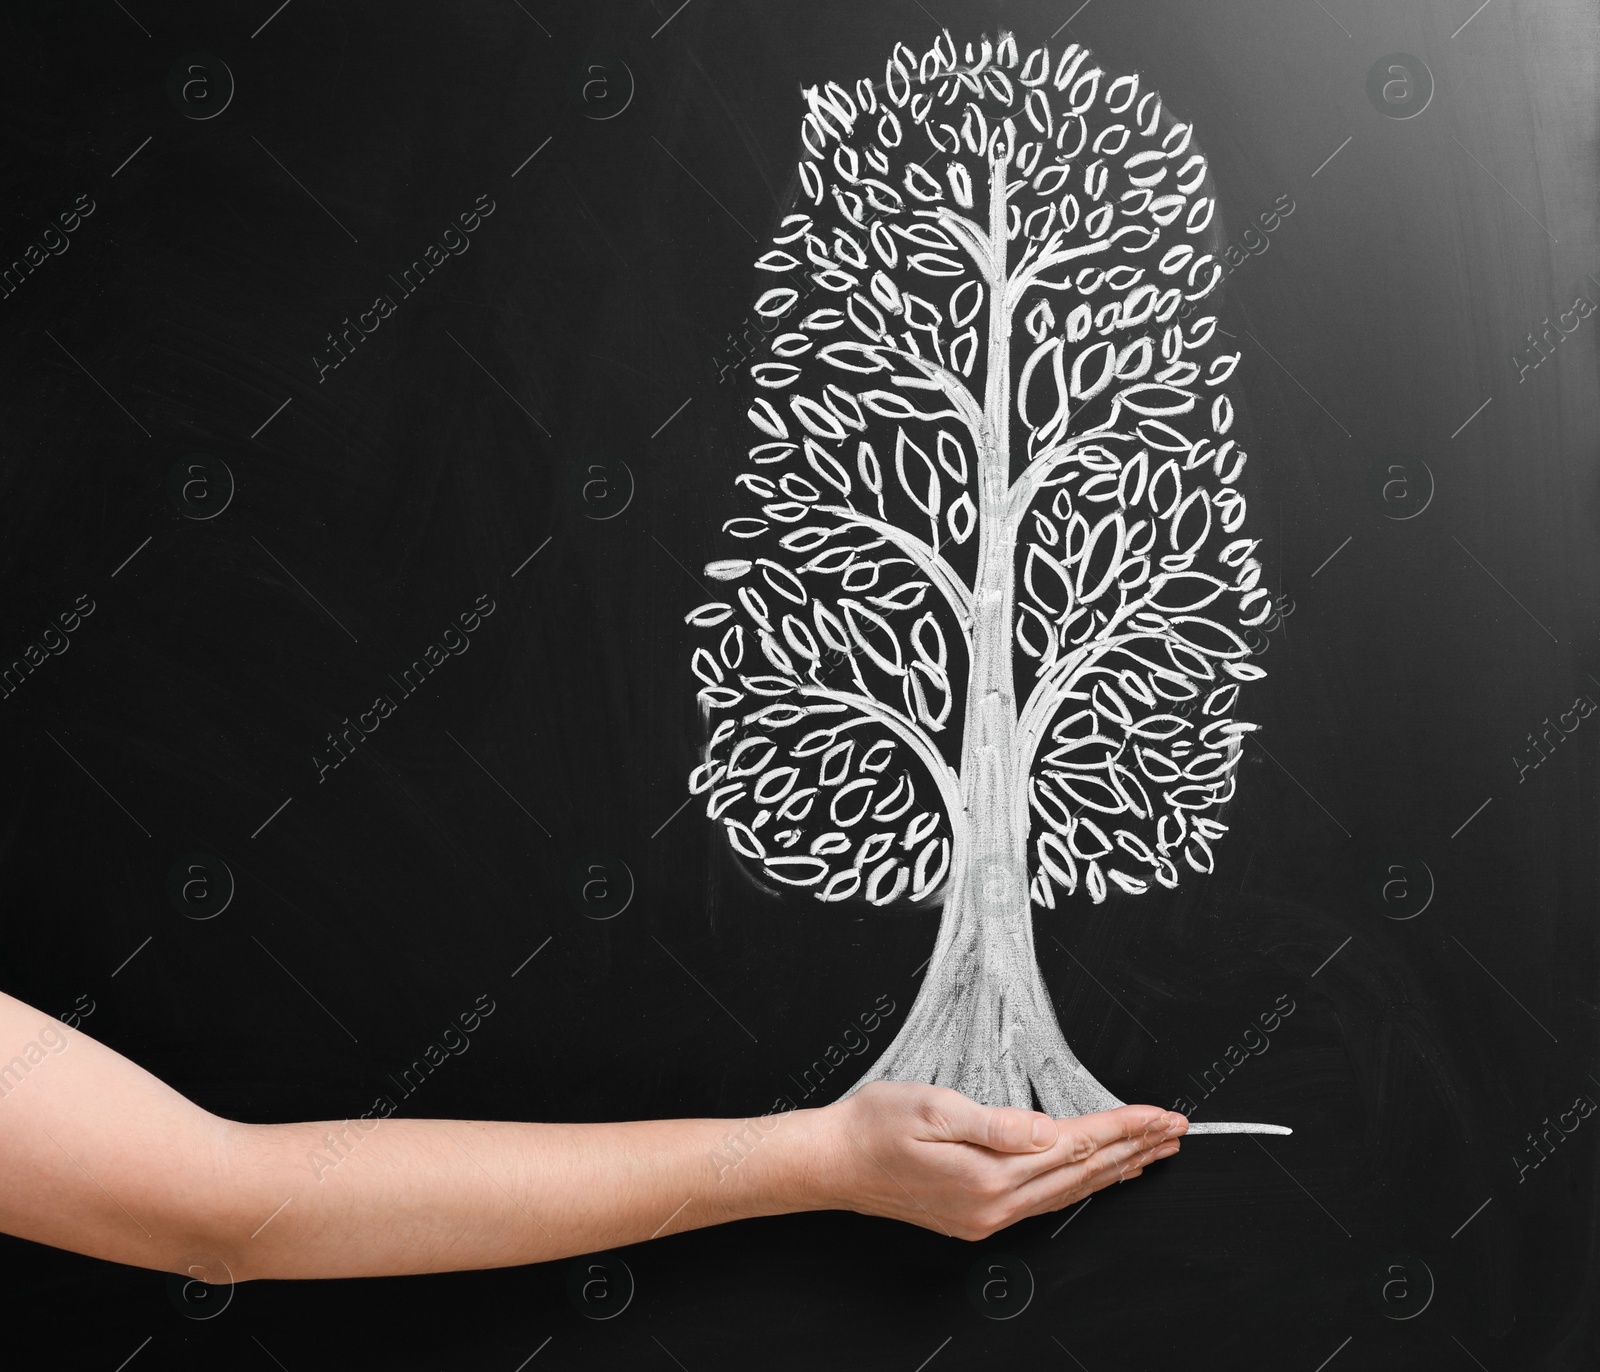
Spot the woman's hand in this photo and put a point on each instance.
(932, 1157)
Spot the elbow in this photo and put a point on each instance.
(206, 1288)
(186, 1207)
(221, 1220)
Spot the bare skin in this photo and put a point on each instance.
(104, 1159)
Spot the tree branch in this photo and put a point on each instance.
(1027, 276)
(1031, 480)
(1053, 688)
(954, 388)
(943, 774)
(972, 238)
(927, 561)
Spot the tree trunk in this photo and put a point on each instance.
(982, 1022)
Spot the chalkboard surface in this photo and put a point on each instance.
(375, 381)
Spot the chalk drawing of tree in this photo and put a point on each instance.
(980, 642)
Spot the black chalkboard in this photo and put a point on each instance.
(375, 382)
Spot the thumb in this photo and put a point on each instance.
(1002, 1128)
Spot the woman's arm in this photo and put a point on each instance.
(102, 1158)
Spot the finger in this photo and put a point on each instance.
(1085, 1137)
(999, 1127)
(1074, 1179)
(1127, 1121)
(1135, 1162)
(1117, 1158)
(1068, 1185)
(1101, 1169)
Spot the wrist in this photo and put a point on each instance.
(816, 1158)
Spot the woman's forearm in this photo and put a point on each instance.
(389, 1196)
